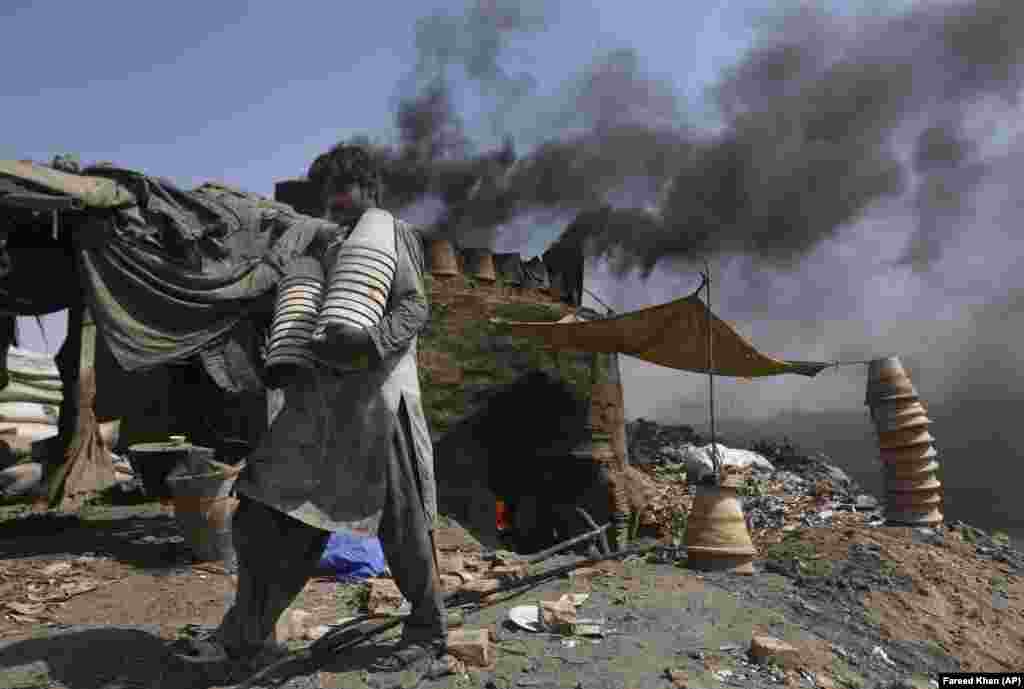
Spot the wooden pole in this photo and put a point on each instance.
(716, 465)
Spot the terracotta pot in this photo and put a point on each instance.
(716, 531)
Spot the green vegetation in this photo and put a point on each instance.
(350, 599)
(752, 487)
(1001, 537)
(847, 676)
(527, 312)
(799, 555)
(678, 526)
(479, 354)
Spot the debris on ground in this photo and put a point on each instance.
(838, 602)
(471, 646)
(767, 649)
(781, 489)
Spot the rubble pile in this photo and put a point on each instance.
(783, 489)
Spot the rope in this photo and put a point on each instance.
(715, 463)
(599, 300)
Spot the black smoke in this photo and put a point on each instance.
(815, 116)
(822, 120)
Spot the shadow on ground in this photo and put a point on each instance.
(85, 659)
(148, 543)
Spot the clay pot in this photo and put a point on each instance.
(443, 261)
(716, 531)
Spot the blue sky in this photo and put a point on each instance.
(250, 92)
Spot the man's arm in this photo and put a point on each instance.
(409, 310)
(405, 318)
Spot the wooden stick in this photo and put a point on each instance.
(555, 549)
(605, 548)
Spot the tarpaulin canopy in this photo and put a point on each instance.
(89, 191)
(673, 335)
(167, 273)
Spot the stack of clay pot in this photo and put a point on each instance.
(914, 495)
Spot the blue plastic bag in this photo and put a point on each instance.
(350, 557)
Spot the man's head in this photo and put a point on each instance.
(348, 181)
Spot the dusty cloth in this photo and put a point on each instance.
(674, 335)
(323, 459)
(277, 554)
(175, 273)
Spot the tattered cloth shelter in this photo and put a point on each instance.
(674, 335)
(152, 275)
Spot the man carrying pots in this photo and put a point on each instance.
(349, 450)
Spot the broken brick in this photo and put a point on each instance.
(766, 649)
(472, 646)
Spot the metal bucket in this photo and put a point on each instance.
(509, 268)
(360, 281)
(911, 436)
(203, 507)
(480, 264)
(295, 312)
(716, 531)
(155, 461)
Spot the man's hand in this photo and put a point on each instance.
(324, 239)
(344, 345)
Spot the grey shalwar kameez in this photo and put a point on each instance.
(349, 451)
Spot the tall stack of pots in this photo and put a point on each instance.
(913, 493)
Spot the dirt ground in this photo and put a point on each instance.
(89, 604)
